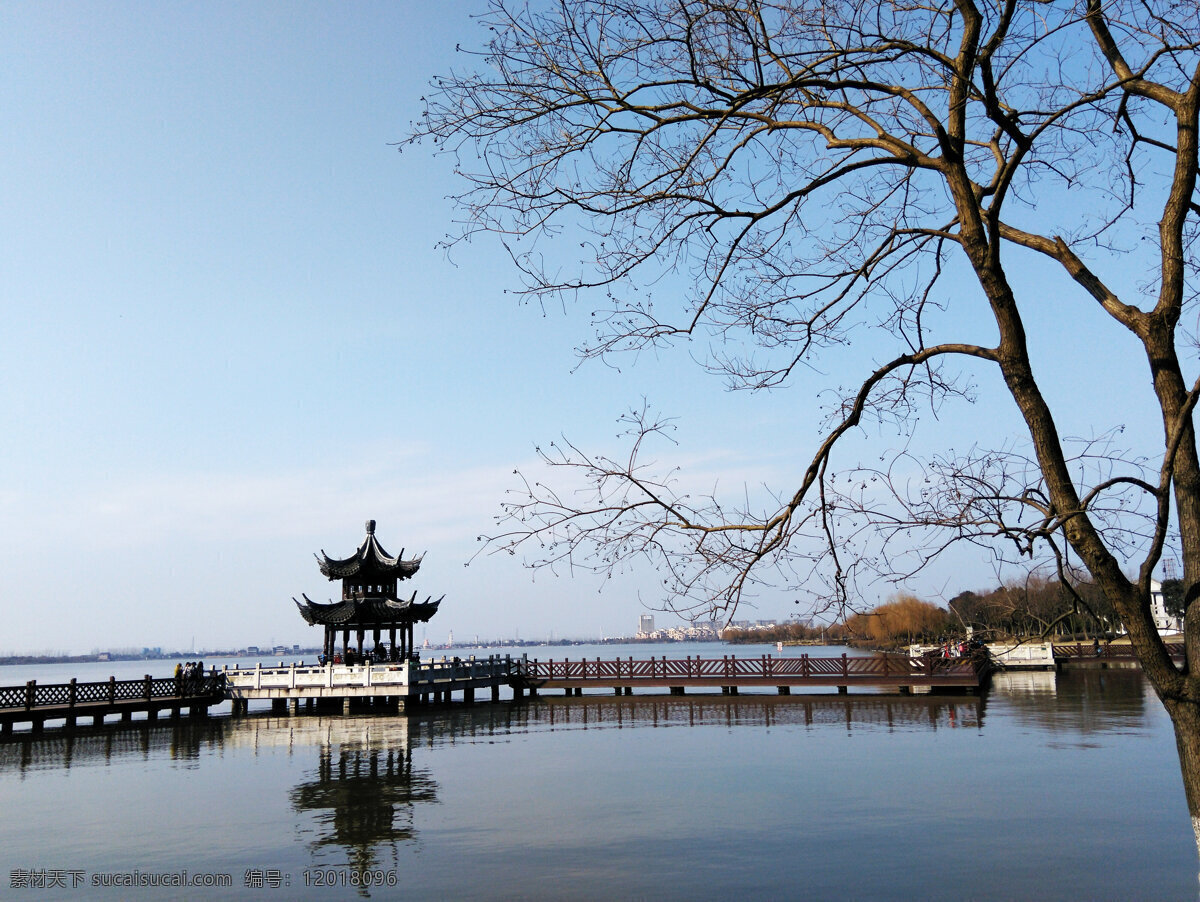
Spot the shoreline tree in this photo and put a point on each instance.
(814, 172)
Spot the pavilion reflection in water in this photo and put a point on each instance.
(362, 800)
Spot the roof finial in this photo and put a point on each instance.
(370, 527)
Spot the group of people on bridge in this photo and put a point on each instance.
(960, 649)
(379, 655)
(188, 677)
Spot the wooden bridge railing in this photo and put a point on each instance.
(1107, 651)
(732, 668)
(69, 695)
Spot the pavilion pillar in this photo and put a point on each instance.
(345, 642)
(361, 634)
(392, 643)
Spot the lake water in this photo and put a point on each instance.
(1046, 788)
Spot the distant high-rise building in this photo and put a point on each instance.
(646, 624)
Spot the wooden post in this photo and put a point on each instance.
(146, 684)
(112, 689)
(72, 693)
(30, 693)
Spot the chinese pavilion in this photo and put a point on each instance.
(369, 602)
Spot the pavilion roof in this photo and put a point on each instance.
(367, 611)
(369, 560)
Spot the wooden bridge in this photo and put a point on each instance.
(728, 673)
(35, 704)
(398, 685)
(1105, 652)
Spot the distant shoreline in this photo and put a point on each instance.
(265, 652)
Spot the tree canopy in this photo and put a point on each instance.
(807, 176)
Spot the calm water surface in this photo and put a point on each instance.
(1047, 788)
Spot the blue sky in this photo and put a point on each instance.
(228, 339)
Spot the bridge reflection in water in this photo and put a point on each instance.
(933, 712)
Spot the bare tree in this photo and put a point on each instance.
(812, 171)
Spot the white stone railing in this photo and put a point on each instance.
(329, 676)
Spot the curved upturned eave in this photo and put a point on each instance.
(370, 558)
(367, 611)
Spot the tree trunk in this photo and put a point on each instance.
(1185, 718)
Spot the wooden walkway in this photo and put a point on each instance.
(413, 683)
(35, 704)
(728, 673)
